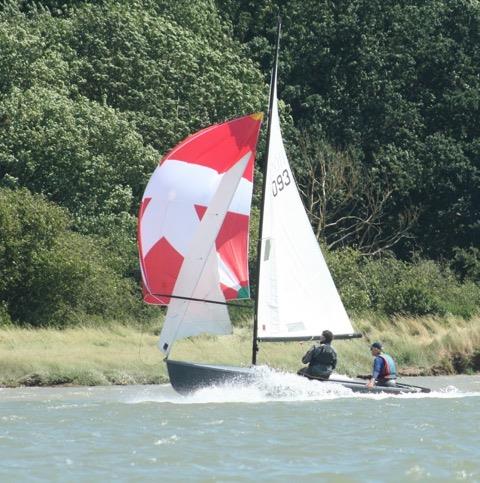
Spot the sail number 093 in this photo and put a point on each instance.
(280, 182)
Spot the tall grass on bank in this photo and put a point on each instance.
(128, 355)
(79, 356)
(428, 345)
(421, 346)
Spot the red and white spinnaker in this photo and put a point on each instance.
(210, 169)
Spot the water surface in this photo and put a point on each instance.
(284, 429)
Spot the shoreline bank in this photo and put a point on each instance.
(120, 355)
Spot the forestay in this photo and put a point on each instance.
(297, 296)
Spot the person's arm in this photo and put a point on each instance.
(377, 367)
(334, 362)
(308, 356)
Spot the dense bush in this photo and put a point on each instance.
(79, 154)
(168, 66)
(50, 275)
(398, 83)
(92, 92)
(466, 263)
(389, 286)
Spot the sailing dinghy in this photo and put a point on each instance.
(193, 246)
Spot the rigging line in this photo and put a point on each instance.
(140, 349)
(202, 300)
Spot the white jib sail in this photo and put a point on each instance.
(199, 275)
(297, 296)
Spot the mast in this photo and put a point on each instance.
(273, 83)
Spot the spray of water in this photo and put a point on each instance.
(270, 385)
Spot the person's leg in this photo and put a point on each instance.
(303, 371)
(387, 382)
(322, 375)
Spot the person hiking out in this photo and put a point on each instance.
(321, 359)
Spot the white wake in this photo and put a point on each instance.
(271, 385)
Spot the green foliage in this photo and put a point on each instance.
(412, 295)
(170, 67)
(5, 319)
(466, 263)
(86, 91)
(449, 194)
(91, 92)
(347, 271)
(426, 287)
(32, 51)
(29, 225)
(396, 81)
(389, 286)
(79, 154)
(52, 276)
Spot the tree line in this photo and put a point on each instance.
(380, 108)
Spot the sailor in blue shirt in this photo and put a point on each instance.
(384, 368)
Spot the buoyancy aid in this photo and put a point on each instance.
(389, 369)
(321, 360)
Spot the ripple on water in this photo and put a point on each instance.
(170, 440)
(277, 431)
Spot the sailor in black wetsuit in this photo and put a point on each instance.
(321, 359)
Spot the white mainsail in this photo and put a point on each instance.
(199, 276)
(297, 296)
